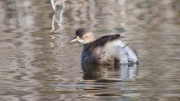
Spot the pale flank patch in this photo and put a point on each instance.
(123, 56)
(131, 55)
(120, 50)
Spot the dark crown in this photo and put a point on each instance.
(81, 32)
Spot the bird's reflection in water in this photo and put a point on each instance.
(111, 73)
(100, 80)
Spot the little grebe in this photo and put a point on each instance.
(108, 49)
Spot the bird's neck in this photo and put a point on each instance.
(85, 46)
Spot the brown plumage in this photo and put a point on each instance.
(104, 50)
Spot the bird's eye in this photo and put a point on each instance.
(80, 36)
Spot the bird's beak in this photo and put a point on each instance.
(75, 39)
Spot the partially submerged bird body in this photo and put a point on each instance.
(109, 50)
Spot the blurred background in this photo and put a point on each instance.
(38, 63)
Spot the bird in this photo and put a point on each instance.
(106, 50)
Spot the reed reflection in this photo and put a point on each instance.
(57, 15)
(54, 3)
(119, 72)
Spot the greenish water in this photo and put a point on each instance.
(38, 63)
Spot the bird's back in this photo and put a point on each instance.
(108, 50)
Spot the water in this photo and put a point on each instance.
(38, 63)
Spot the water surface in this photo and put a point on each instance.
(38, 63)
